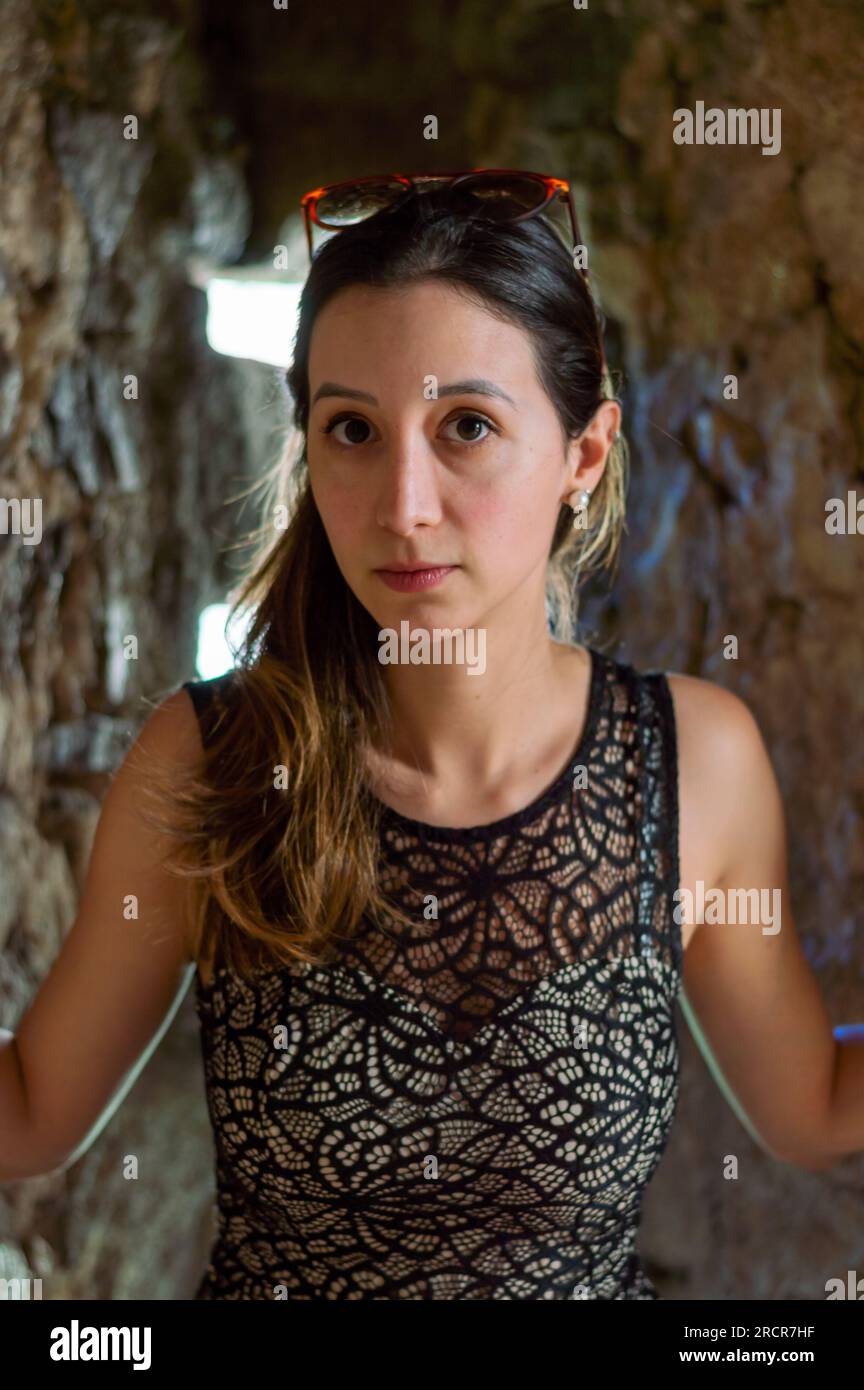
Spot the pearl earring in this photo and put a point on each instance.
(580, 508)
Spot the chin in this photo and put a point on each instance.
(418, 612)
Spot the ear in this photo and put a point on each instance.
(588, 452)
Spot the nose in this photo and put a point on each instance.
(408, 484)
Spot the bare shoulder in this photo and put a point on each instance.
(721, 738)
(168, 743)
(172, 729)
(709, 716)
(723, 771)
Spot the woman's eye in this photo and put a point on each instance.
(353, 422)
(473, 420)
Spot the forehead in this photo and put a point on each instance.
(424, 325)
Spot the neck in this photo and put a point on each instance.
(455, 728)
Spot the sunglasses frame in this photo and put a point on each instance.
(555, 189)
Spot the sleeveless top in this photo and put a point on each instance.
(472, 1109)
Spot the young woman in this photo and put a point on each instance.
(434, 906)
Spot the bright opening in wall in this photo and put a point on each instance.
(252, 313)
(214, 656)
(255, 319)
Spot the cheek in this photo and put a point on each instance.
(339, 509)
(519, 511)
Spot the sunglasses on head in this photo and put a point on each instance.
(511, 195)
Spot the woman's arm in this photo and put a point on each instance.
(749, 995)
(13, 1104)
(846, 1122)
(117, 982)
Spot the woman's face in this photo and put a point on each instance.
(473, 478)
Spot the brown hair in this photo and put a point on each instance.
(277, 828)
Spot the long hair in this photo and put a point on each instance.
(276, 828)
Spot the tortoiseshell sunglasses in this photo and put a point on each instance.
(502, 194)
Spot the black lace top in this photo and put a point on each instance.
(472, 1109)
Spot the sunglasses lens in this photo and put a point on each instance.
(353, 202)
(501, 196)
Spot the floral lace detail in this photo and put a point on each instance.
(471, 1109)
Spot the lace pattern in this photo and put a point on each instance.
(471, 1109)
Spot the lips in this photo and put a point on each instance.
(411, 569)
(411, 580)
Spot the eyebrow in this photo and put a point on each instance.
(476, 386)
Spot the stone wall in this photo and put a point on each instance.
(95, 231)
(710, 261)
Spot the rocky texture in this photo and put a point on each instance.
(739, 263)
(709, 261)
(95, 232)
